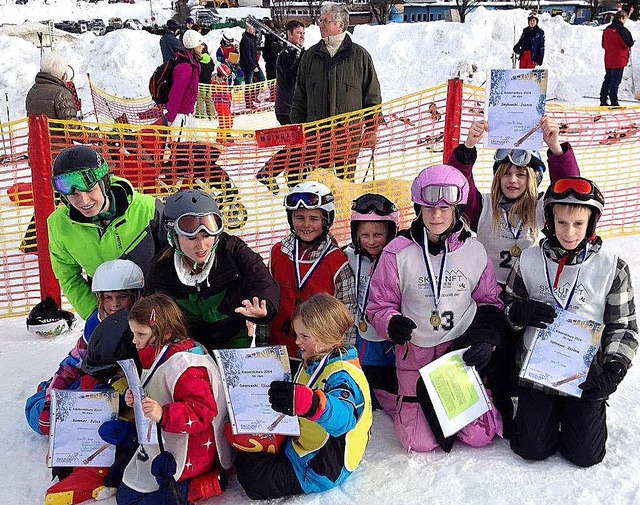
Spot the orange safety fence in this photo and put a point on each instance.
(379, 149)
(256, 99)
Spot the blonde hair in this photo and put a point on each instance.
(162, 314)
(523, 208)
(326, 318)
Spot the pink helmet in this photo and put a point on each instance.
(440, 184)
(373, 207)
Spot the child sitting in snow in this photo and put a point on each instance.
(110, 342)
(331, 398)
(178, 379)
(117, 284)
(536, 290)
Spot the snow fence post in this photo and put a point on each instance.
(44, 203)
(452, 117)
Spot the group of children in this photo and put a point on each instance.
(365, 320)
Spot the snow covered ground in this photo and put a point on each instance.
(407, 58)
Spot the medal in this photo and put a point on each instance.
(435, 319)
(515, 251)
(363, 326)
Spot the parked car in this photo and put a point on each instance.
(133, 24)
(21, 2)
(68, 26)
(116, 23)
(207, 17)
(98, 27)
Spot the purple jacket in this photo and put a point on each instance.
(560, 166)
(385, 297)
(184, 88)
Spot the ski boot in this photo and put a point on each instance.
(83, 484)
(207, 485)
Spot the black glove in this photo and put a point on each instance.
(531, 313)
(602, 386)
(281, 396)
(478, 355)
(400, 329)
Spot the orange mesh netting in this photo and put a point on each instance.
(249, 179)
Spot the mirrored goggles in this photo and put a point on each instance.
(189, 225)
(293, 201)
(518, 157)
(582, 189)
(80, 180)
(373, 203)
(437, 195)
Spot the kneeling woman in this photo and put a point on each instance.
(330, 396)
(215, 278)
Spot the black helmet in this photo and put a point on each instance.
(573, 191)
(47, 320)
(173, 25)
(75, 158)
(111, 341)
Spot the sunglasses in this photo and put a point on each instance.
(189, 225)
(373, 203)
(294, 201)
(518, 157)
(582, 189)
(81, 180)
(436, 195)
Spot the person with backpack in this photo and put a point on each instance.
(170, 44)
(185, 76)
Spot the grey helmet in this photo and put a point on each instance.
(194, 203)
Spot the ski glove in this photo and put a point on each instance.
(602, 386)
(295, 399)
(531, 313)
(116, 432)
(400, 329)
(478, 355)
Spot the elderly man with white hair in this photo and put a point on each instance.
(337, 76)
(49, 95)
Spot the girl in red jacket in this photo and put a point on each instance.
(181, 383)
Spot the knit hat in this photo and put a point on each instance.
(192, 39)
(54, 64)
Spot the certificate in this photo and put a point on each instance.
(145, 427)
(456, 391)
(75, 419)
(246, 376)
(561, 354)
(516, 103)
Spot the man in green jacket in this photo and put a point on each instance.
(337, 76)
(103, 219)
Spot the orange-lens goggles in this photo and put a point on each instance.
(577, 186)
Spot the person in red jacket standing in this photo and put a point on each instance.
(617, 42)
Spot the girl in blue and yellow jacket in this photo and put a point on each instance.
(331, 398)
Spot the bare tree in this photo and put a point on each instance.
(527, 5)
(465, 6)
(314, 10)
(381, 10)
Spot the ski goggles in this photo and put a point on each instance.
(189, 225)
(81, 180)
(437, 195)
(518, 157)
(579, 188)
(373, 203)
(294, 201)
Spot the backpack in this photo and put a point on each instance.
(161, 81)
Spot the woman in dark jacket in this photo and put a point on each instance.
(530, 47)
(49, 95)
(216, 279)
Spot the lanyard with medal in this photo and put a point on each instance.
(435, 284)
(362, 325)
(515, 249)
(300, 282)
(575, 282)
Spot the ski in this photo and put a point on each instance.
(619, 100)
(259, 25)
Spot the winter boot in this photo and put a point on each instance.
(254, 442)
(77, 487)
(210, 484)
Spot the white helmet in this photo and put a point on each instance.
(117, 275)
(311, 195)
